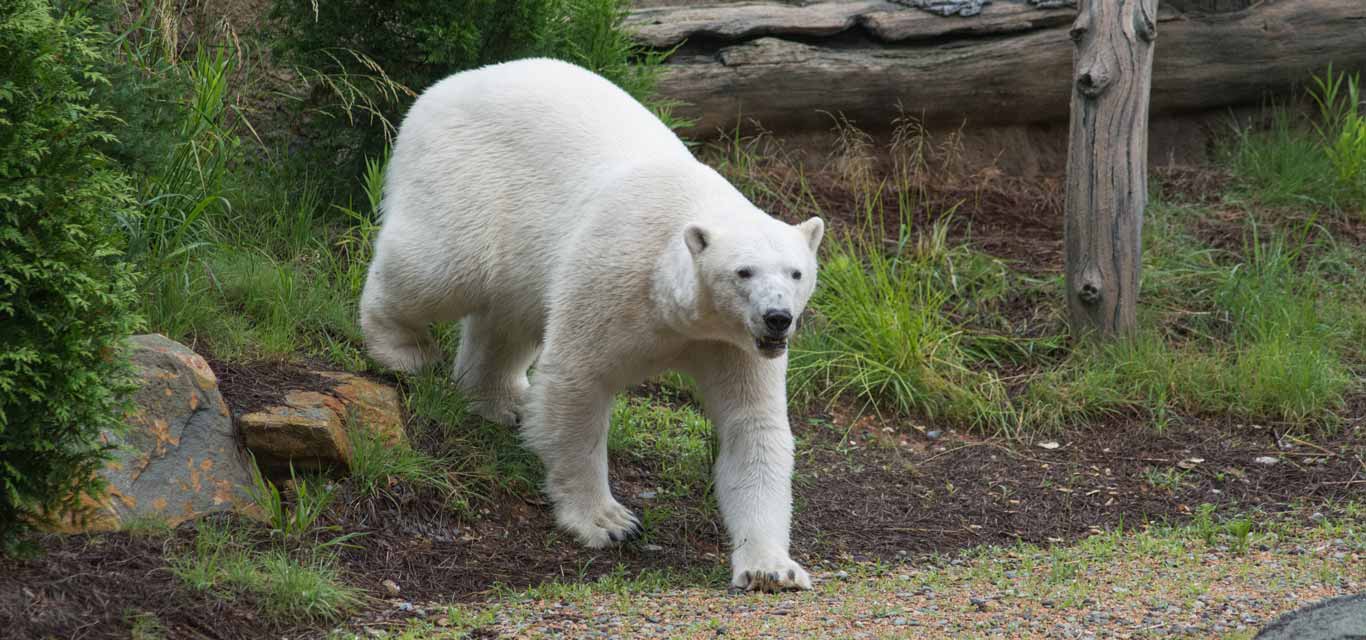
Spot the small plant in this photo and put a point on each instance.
(1342, 129)
(1203, 525)
(1169, 479)
(375, 464)
(311, 499)
(1241, 531)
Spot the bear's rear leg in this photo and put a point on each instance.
(396, 343)
(491, 368)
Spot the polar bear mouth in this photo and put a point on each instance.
(771, 347)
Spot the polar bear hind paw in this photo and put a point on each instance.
(505, 413)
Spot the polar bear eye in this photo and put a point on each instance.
(796, 275)
(744, 273)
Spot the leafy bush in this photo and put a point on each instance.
(65, 293)
(369, 59)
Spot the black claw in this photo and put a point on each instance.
(613, 536)
(792, 575)
(773, 577)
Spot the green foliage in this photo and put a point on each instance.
(66, 295)
(368, 59)
(1271, 338)
(677, 441)
(375, 464)
(1342, 129)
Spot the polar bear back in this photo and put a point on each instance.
(494, 168)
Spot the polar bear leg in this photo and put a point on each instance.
(394, 339)
(567, 426)
(491, 367)
(746, 399)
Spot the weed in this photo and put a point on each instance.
(1241, 531)
(1169, 479)
(311, 499)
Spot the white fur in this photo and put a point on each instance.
(557, 216)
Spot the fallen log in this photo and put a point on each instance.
(788, 66)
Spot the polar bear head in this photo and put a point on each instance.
(755, 280)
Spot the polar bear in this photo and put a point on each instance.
(566, 225)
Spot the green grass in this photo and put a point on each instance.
(1320, 163)
(286, 588)
(375, 465)
(678, 444)
(888, 328)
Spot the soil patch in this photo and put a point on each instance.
(98, 586)
(252, 386)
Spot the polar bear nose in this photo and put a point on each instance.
(777, 320)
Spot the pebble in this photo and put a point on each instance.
(651, 547)
(934, 434)
(1266, 460)
(647, 495)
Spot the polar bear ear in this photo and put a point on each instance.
(697, 239)
(813, 229)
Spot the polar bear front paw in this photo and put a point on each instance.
(602, 525)
(770, 572)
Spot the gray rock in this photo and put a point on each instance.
(1339, 618)
(179, 458)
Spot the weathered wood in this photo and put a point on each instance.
(1107, 163)
(1008, 65)
(885, 21)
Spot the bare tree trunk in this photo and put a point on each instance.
(1107, 172)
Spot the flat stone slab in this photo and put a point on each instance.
(1341, 618)
(308, 430)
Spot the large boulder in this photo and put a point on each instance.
(1342, 618)
(179, 457)
(309, 429)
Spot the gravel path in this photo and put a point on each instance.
(1192, 582)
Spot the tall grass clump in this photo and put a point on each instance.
(1315, 162)
(1342, 132)
(889, 328)
(66, 292)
